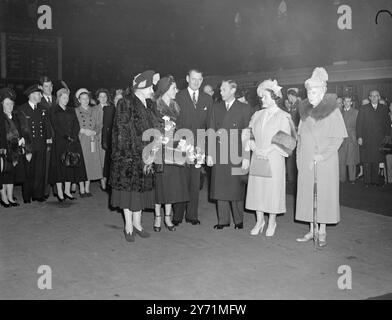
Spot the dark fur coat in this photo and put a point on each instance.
(130, 121)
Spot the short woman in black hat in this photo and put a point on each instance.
(171, 183)
(13, 169)
(66, 139)
(132, 187)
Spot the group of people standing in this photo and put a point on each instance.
(46, 142)
(237, 183)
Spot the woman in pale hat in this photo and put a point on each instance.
(90, 133)
(66, 129)
(132, 187)
(267, 194)
(321, 132)
(171, 183)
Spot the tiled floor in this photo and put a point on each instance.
(89, 258)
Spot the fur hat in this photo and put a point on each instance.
(145, 79)
(319, 78)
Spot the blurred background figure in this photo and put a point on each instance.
(340, 103)
(349, 150)
(118, 95)
(207, 89)
(105, 111)
(90, 130)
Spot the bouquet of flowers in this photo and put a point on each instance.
(195, 155)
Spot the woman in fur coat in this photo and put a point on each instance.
(321, 132)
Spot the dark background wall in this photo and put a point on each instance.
(106, 41)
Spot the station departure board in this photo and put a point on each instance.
(28, 57)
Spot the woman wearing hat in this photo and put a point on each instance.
(13, 169)
(90, 133)
(66, 139)
(132, 188)
(268, 194)
(171, 184)
(321, 132)
(105, 115)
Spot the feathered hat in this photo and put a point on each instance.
(270, 85)
(145, 79)
(319, 78)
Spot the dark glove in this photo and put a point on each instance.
(104, 146)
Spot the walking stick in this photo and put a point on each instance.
(315, 205)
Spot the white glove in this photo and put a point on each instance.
(210, 161)
(245, 164)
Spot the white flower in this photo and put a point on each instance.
(166, 118)
(165, 140)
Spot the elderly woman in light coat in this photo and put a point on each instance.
(321, 132)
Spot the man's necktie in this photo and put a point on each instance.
(194, 98)
(227, 106)
(49, 101)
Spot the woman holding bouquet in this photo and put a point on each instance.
(132, 187)
(267, 194)
(171, 183)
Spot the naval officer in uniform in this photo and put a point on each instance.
(36, 130)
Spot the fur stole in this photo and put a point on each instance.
(323, 110)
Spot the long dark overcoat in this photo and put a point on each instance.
(225, 185)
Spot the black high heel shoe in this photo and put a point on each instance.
(68, 197)
(5, 205)
(60, 199)
(170, 228)
(14, 204)
(157, 229)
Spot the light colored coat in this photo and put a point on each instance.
(269, 194)
(321, 132)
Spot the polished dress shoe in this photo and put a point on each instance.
(26, 201)
(239, 226)
(141, 233)
(89, 194)
(221, 226)
(130, 237)
(82, 195)
(193, 222)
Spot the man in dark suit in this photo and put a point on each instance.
(47, 101)
(195, 106)
(373, 127)
(36, 130)
(228, 119)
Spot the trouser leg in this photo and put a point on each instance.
(223, 212)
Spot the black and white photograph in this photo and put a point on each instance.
(198, 155)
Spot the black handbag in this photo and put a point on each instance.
(5, 165)
(70, 158)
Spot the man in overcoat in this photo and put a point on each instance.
(349, 150)
(228, 119)
(373, 127)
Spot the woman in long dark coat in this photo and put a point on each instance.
(13, 170)
(171, 183)
(132, 188)
(66, 138)
(106, 116)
